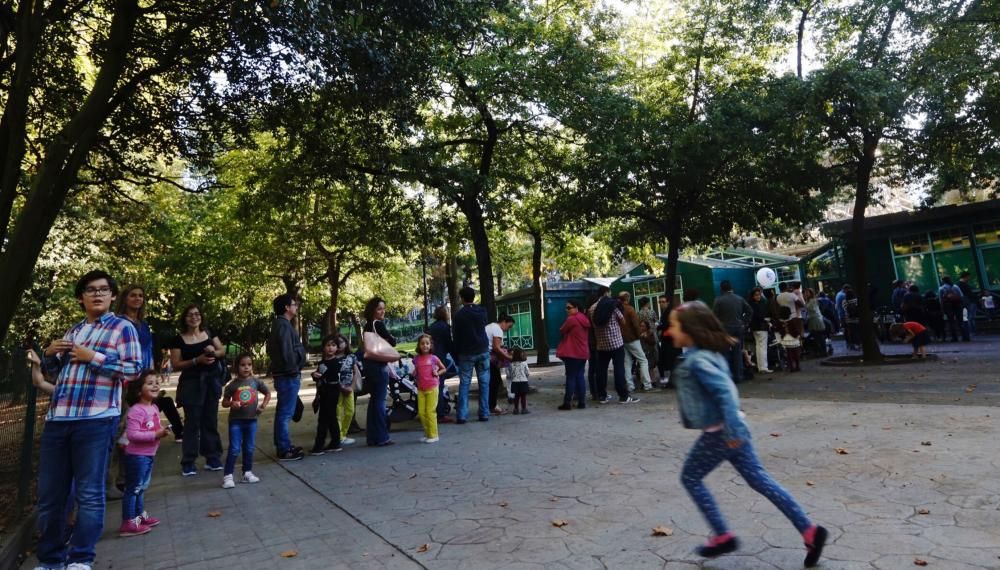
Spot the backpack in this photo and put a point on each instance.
(602, 313)
(951, 296)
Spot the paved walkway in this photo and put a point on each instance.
(917, 482)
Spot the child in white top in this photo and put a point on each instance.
(519, 380)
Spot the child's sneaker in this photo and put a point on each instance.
(213, 465)
(718, 545)
(423, 439)
(227, 482)
(189, 470)
(347, 441)
(317, 451)
(815, 549)
(132, 527)
(249, 477)
(148, 520)
(432, 440)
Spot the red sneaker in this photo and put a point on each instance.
(133, 527)
(147, 520)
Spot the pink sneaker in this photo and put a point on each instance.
(133, 527)
(147, 520)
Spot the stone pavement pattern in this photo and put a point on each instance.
(486, 495)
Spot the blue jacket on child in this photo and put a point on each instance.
(706, 394)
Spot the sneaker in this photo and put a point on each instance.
(249, 477)
(227, 482)
(606, 399)
(298, 449)
(432, 440)
(424, 439)
(76, 566)
(317, 451)
(213, 465)
(765, 371)
(189, 470)
(716, 548)
(337, 449)
(347, 441)
(179, 440)
(629, 400)
(815, 550)
(565, 407)
(291, 455)
(132, 527)
(148, 520)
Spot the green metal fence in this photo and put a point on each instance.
(22, 412)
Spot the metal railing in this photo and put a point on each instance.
(22, 412)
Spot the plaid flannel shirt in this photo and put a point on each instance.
(94, 389)
(609, 337)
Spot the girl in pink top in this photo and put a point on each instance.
(144, 432)
(574, 351)
(427, 368)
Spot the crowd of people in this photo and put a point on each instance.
(111, 352)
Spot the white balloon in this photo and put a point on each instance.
(766, 277)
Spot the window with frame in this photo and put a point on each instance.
(988, 233)
(787, 273)
(950, 239)
(911, 244)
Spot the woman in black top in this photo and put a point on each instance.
(440, 332)
(195, 353)
(377, 377)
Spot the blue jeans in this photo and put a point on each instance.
(72, 452)
(377, 382)
(481, 364)
(707, 453)
(138, 472)
(287, 388)
(617, 358)
(242, 437)
(576, 382)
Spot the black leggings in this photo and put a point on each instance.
(329, 396)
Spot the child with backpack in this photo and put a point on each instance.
(708, 401)
(242, 397)
(144, 433)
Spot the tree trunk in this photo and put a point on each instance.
(63, 157)
(333, 279)
(499, 284)
(799, 38)
(538, 319)
(452, 280)
(673, 254)
(869, 341)
(484, 260)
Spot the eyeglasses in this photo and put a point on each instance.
(194, 315)
(97, 291)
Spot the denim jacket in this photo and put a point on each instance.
(706, 394)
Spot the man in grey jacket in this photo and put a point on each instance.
(734, 312)
(288, 357)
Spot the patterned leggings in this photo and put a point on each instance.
(707, 453)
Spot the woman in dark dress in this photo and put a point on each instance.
(194, 352)
(377, 377)
(440, 332)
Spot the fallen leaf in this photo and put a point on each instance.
(215, 514)
(810, 483)
(413, 475)
(923, 511)
(662, 531)
(290, 554)
(919, 562)
(840, 450)
(925, 443)
(553, 499)
(775, 434)
(614, 472)
(424, 548)
(503, 504)
(559, 523)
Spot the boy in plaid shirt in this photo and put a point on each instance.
(89, 364)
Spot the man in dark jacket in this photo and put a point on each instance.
(472, 351)
(288, 357)
(734, 312)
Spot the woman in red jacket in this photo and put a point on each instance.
(573, 350)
